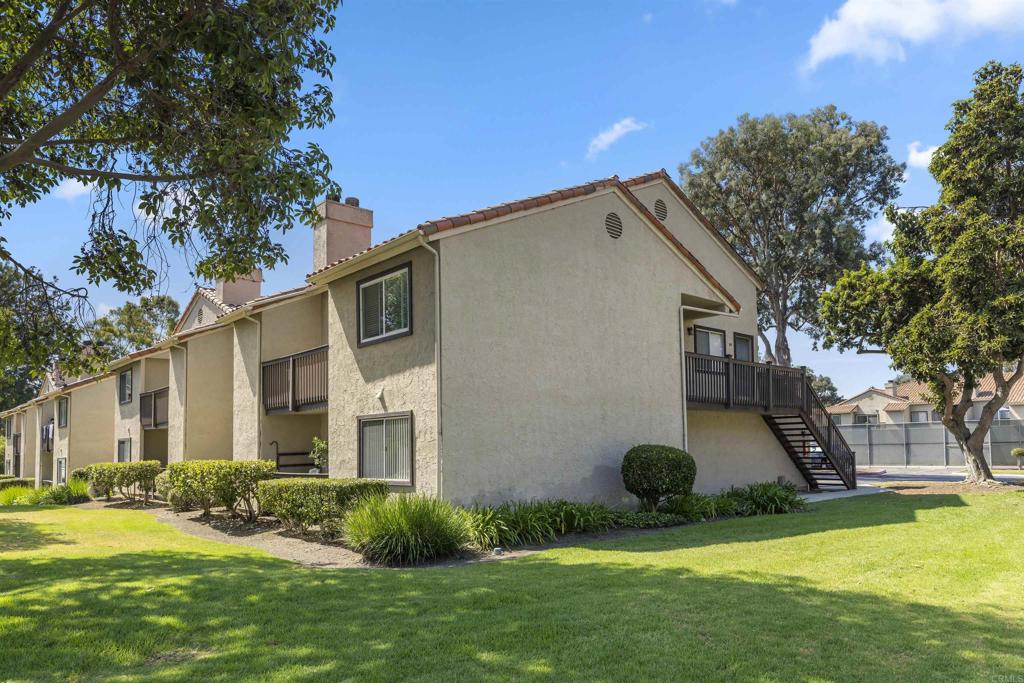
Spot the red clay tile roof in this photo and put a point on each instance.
(842, 408)
(360, 253)
(662, 174)
(211, 294)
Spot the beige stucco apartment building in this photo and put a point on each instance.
(513, 352)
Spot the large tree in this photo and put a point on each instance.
(948, 306)
(826, 389)
(178, 116)
(135, 326)
(792, 194)
(32, 324)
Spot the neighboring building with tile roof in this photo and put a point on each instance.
(542, 337)
(908, 401)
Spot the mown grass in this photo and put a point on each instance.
(882, 587)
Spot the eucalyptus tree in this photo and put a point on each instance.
(792, 194)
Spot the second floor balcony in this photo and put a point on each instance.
(153, 409)
(296, 383)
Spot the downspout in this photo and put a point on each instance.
(437, 359)
(682, 359)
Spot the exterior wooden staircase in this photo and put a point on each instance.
(790, 407)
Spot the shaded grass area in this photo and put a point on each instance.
(883, 587)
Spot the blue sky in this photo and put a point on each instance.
(448, 106)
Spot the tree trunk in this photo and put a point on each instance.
(972, 445)
(782, 354)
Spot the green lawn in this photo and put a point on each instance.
(878, 588)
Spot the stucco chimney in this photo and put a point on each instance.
(242, 289)
(343, 230)
(891, 386)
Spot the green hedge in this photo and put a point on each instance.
(7, 476)
(204, 484)
(16, 481)
(301, 503)
(653, 473)
(131, 479)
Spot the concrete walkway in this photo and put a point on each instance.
(862, 489)
(954, 474)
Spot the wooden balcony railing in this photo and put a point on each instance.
(772, 390)
(297, 382)
(153, 409)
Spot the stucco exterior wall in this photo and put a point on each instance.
(210, 312)
(711, 253)
(127, 424)
(293, 327)
(29, 443)
(402, 368)
(209, 397)
(91, 424)
(560, 351)
(156, 374)
(177, 391)
(245, 430)
(735, 448)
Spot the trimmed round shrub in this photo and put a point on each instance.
(406, 529)
(207, 483)
(652, 473)
(303, 502)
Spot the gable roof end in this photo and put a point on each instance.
(663, 175)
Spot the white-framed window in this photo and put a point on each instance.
(386, 448)
(385, 307)
(63, 404)
(62, 471)
(919, 415)
(709, 342)
(743, 346)
(124, 386)
(1004, 413)
(124, 450)
(862, 419)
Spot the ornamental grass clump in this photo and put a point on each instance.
(406, 529)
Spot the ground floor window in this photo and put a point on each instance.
(124, 450)
(386, 447)
(62, 471)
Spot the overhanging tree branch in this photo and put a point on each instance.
(119, 175)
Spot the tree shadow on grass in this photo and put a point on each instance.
(17, 535)
(167, 616)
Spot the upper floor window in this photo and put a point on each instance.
(62, 411)
(124, 386)
(865, 419)
(385, 308)
(743, 346)
(709, 342)
(919, 416)
(1004, 413)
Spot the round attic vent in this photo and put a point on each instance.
(660, 210)
(613, 224)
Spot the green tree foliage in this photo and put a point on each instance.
(792, 194)
(134, 326)
(826, 389)
(948, 306)
(183, 109)
(34, 327)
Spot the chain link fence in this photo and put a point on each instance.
(915, 444)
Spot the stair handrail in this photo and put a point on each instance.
(834, 444)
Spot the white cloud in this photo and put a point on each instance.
(918, 157)
(879, 29)
(103, 309)
(70, 189)
(648, 17)
(609, 136)
(879, 230)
